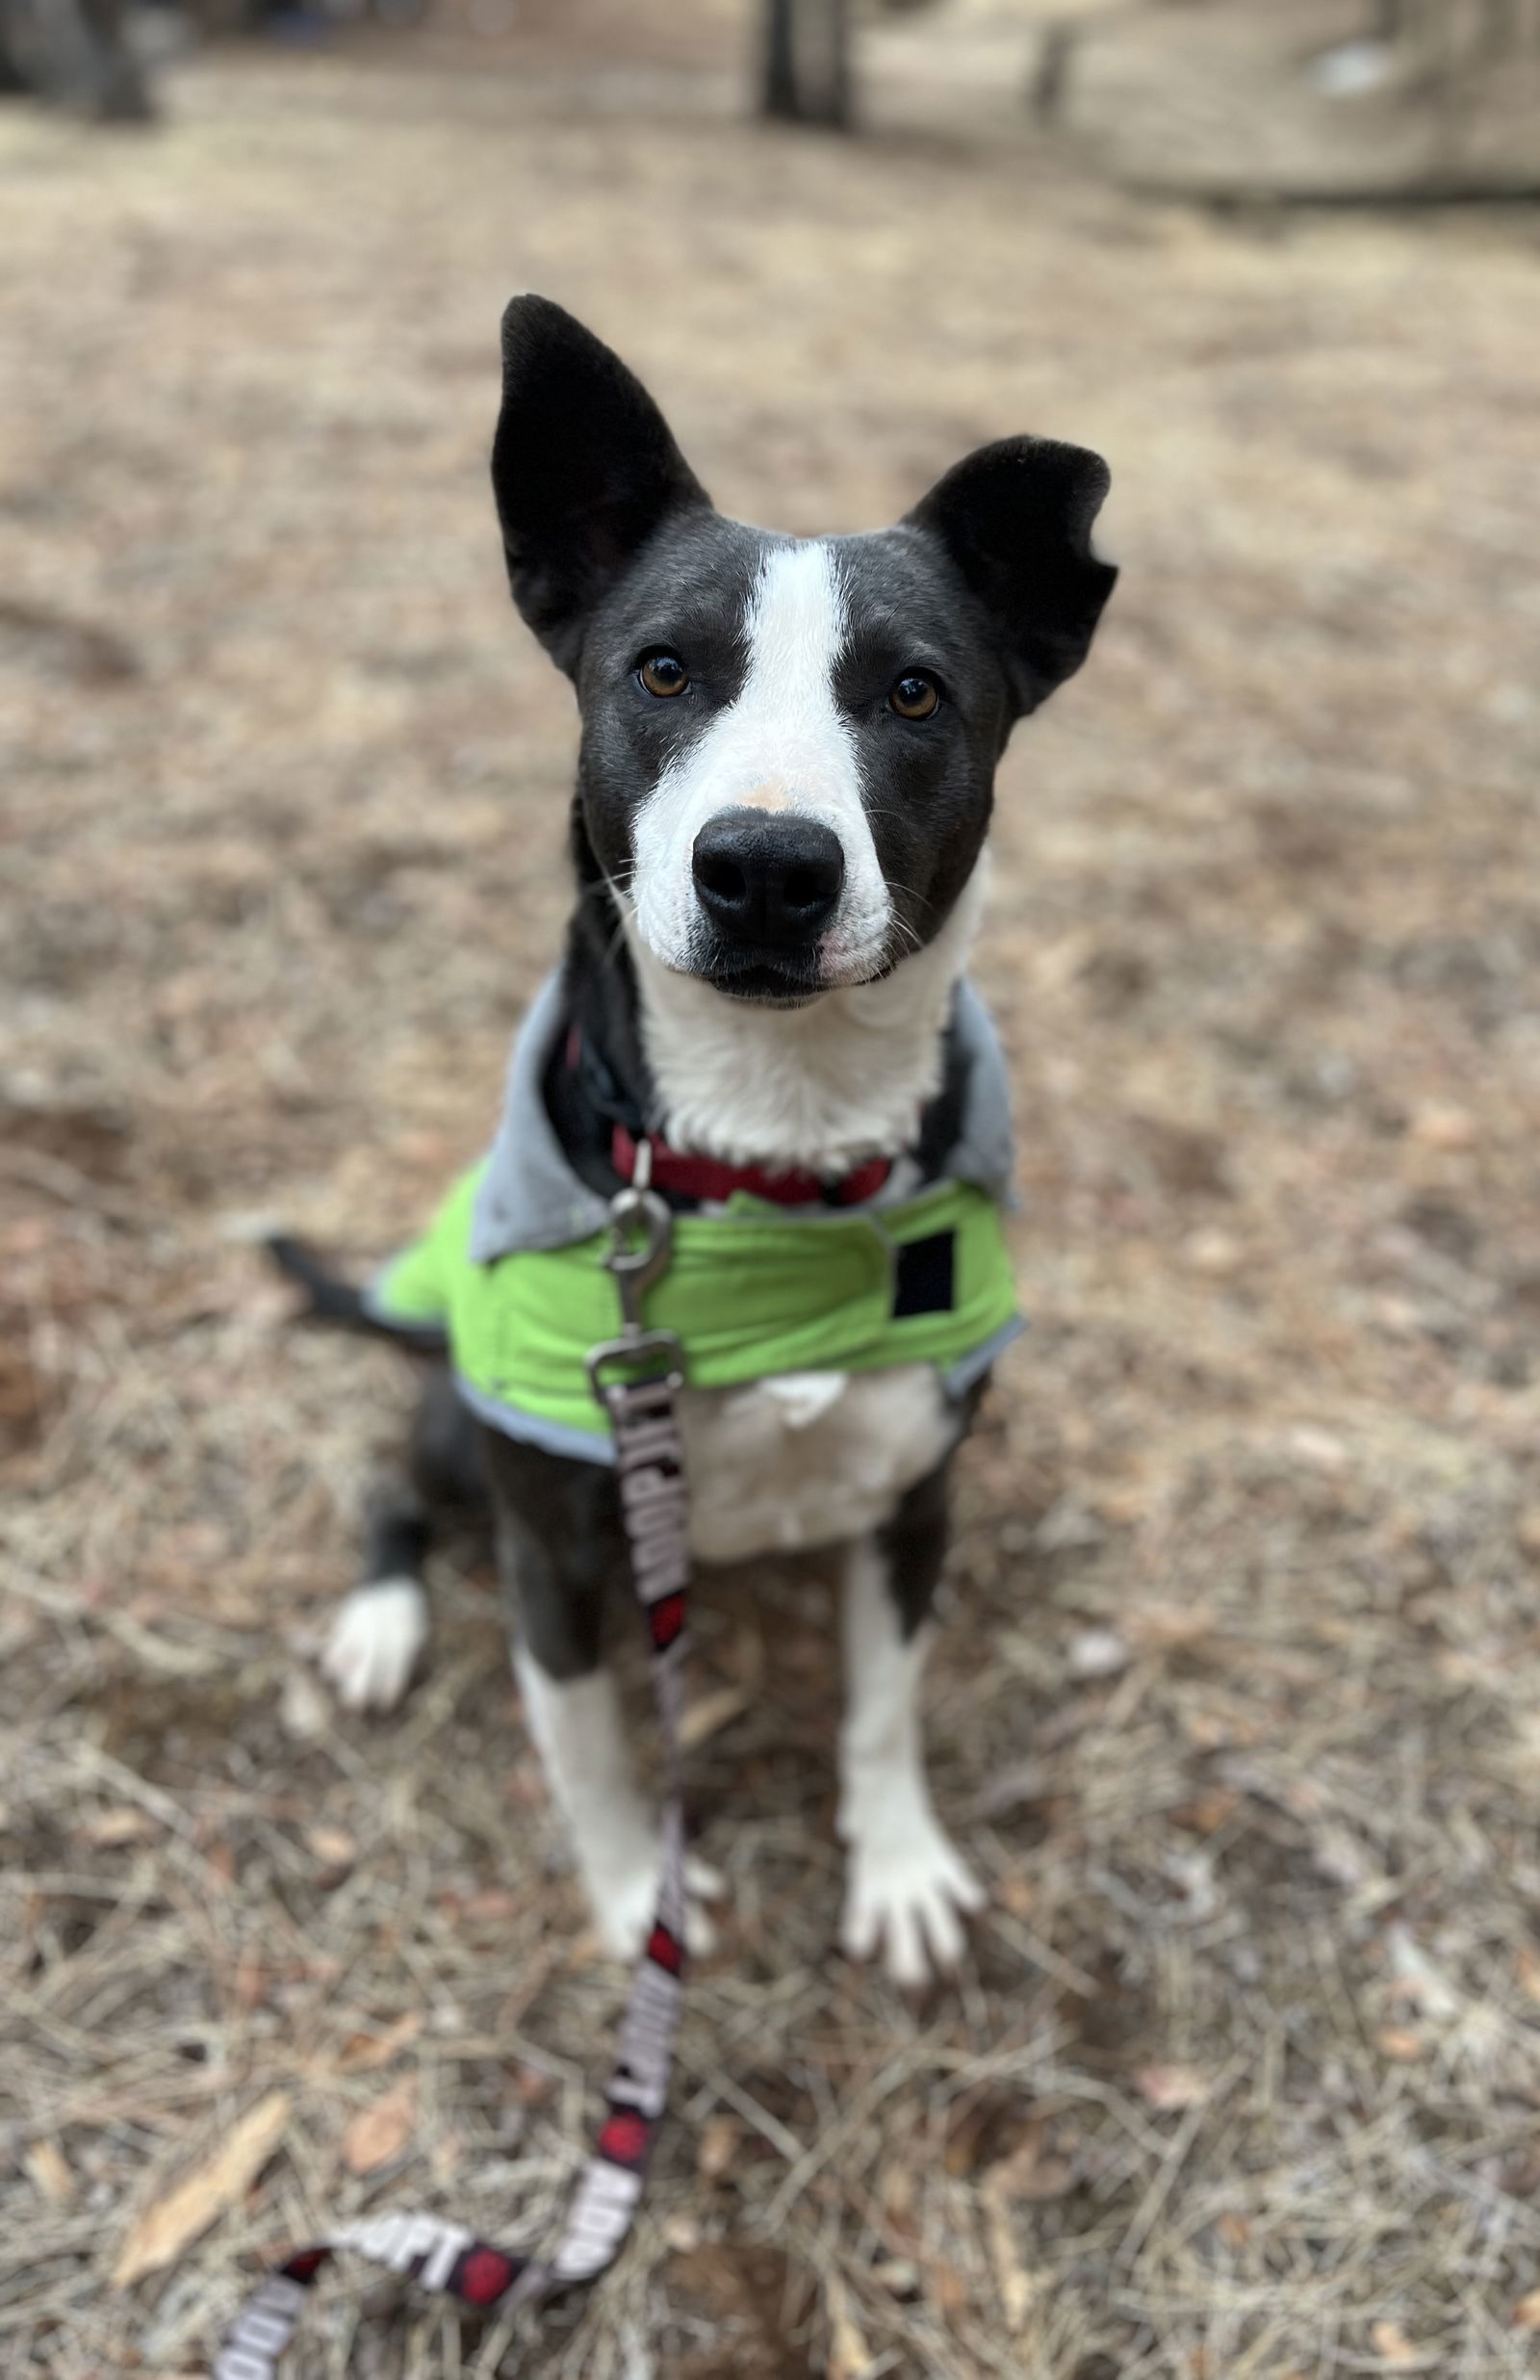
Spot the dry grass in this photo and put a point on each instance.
(1239, 1702)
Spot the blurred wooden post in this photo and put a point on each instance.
(807, 61)
(75, 53)
(780, 59)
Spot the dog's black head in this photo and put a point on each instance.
(788, 745)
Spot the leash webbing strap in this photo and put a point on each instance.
(429, 2249)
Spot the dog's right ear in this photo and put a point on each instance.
(585, 469)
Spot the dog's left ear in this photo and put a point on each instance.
(1017, 519)
(585, 469)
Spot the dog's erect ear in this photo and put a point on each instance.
(583, 467)
(1017, 520)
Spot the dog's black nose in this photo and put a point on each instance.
(770, 881)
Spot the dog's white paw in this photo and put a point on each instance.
(624, 1905)
(909, 1891)
(375, 1642)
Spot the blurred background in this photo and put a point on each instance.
(1239, 1705)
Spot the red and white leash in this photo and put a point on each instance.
(638, 1376)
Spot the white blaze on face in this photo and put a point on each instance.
(783, 746)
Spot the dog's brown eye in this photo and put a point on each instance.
(664, 673)
(914, 695)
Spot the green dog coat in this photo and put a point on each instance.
(511, 1268)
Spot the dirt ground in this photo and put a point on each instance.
(1239, 1703)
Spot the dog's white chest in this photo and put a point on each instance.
(809, 1458)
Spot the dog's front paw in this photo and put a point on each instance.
(375, 1642)
(624, 1904)
(909, 1891)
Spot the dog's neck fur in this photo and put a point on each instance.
(815, 1089)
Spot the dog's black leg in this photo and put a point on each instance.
(382, 1626)
(561, 1552)
(907, 1888)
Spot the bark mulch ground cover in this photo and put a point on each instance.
(1239, 1702)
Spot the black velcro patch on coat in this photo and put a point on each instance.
(925, 1276)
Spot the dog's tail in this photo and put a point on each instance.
(335, 1301)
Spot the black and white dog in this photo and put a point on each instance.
(784, 790)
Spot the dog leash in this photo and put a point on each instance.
(636, 1377)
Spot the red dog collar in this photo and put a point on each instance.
(707, 1178)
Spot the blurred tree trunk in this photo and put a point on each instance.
(807, 61)
(76, 54)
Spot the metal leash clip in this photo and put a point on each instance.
(640, 1248)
